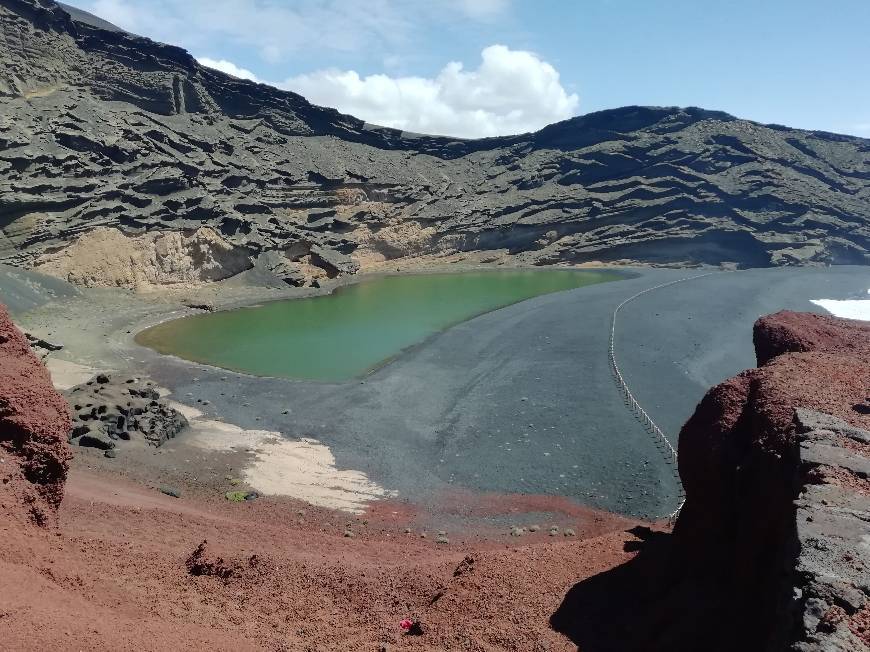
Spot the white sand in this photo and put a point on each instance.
(848, 309)
(303, 469)
(66, 374)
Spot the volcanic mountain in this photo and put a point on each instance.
(102, 128)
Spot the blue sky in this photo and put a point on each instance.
(482, 67)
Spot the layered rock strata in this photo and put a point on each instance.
(101, 128)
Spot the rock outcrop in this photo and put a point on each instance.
(106, 257)
(101, 128)
(776, 467)
(771, 550)
(34, 426)
(108, 410)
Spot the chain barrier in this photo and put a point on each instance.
(642, 415)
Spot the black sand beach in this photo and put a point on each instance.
(521, 400)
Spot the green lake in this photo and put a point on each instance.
(356, 328)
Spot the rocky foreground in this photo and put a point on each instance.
(123, 162)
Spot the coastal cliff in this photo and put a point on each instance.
(770, 550)
(775, 463)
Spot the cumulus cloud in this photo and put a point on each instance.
(511, 91)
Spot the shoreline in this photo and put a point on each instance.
(139, 329)
(121, 337)
(364, 426)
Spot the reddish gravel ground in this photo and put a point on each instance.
(113, 576)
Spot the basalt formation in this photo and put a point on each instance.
(106, 136)
(770, 549)
(776, 467)
(108, 410)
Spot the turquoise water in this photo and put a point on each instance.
(356, 328)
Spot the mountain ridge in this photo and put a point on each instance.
(107, 129)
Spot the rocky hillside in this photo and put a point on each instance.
(100, 128)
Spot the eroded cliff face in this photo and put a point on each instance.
(776, 467)
(106, 257)
(771, 550)
(102, 128)
(34, 427)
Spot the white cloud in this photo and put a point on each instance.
(512, 91)
(276, 29)
(862, 127)
(228, 67)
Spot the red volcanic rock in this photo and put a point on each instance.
(740, 458)
(795, 332)
(34, 426)
(809, 361)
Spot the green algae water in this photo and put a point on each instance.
(356, 328)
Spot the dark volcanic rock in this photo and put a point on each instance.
(99, 127)
(109, 409)
(34, 424)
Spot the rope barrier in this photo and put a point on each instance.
(645, 419)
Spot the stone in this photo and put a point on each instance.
(96, 440)
(170, 491)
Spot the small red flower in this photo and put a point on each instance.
(406, 624)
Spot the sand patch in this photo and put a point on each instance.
(66, 374)
(189, 412)
(303, 468)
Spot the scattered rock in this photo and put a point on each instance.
(95, 440)
(108, 410)
(170, 491)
